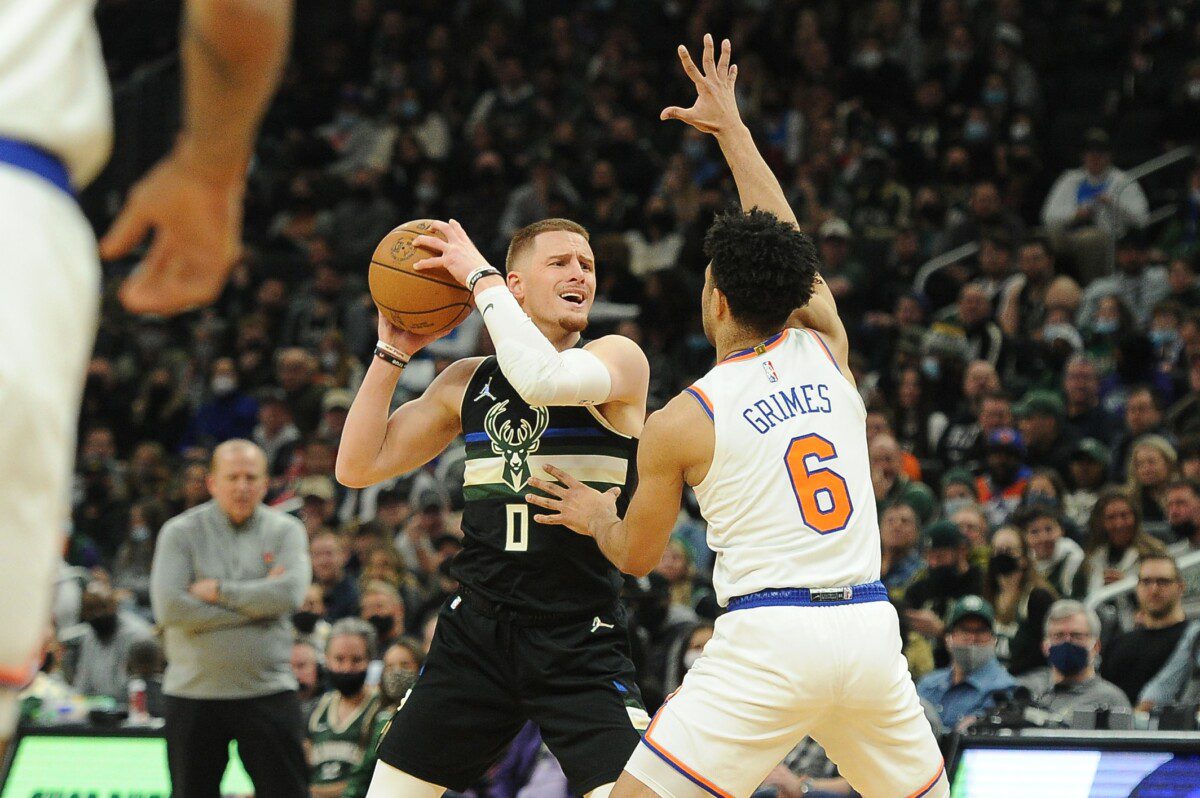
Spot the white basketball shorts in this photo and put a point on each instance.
(772, 675)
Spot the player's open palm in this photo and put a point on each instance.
(196, 220)
(573, 504)
(715, 109)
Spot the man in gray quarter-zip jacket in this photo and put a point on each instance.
(227, 576)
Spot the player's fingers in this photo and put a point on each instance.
(710, 66)
(562, 476)
(723, 60)
(432, 243)
(542, 501)
(144, 291)
(557, 520)
(553, 488)
(614, 492)
(129, 228)
(423, 264)
(689, 66)
(673, 112)
(439, 226)
(733, 74)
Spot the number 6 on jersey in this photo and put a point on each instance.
(822, 493)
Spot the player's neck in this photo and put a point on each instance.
(559, 338)
(737, 340)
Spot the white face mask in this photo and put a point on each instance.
(224, 384)
(690, 657)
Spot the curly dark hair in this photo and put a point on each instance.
(765, 267)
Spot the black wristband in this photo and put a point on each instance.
(390, 358)
(479, 274)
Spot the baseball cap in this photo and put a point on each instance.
(834, 228)
(944, 535)
(336, 398)
(1006, 438)
(317, 487)
(971, 607)
(1040, 403)
(1091, 449)
(958, 476)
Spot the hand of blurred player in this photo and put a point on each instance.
(197, 222)
(715, 109)
(457, 254)
(207, 590)
(925, 622)
(407, 342)
(576, 506)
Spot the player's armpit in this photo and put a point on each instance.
(416, 433)
(627, 367)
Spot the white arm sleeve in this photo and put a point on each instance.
(540, 374)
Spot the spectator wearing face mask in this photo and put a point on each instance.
(338, 728)
(384, 610)
(1021, 597)
(949, 576)
(1058, 558)
(228, 413)
(309, 620)
(966, 688)
(401, 662)
(102, 665)
(1131, 659)
(1070, 682)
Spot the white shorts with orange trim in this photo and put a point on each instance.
(771, 676)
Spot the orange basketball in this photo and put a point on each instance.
(420, 302)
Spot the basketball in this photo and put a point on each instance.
(424, 302)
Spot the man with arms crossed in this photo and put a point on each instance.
(55, 134)
(773, 440)
(536, 631)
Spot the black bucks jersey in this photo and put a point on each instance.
(507, 557)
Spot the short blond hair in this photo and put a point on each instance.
(522, 240)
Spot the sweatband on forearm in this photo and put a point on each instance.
(537, 371)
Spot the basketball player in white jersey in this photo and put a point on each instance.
(773, 440)
(55, 134)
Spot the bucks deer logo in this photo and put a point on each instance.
(515, 443)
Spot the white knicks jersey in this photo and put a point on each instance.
(53, 87)
(788, 498)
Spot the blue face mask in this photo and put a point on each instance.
(931, 367)
(1068, 658)
(975, 131)
(1105, 326)
(995, 96)
(1163, 338)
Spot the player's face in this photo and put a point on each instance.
(556, 283)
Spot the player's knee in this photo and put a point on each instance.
(600, 792)
(391, 782)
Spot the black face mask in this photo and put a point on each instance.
(1004, 564)
(383, 624)
(104, 625)
(1184, 531)
(305, 621)
(348, 683)
(943, 577)
(48, 662)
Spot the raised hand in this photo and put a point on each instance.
(715, 109)
(576, 506)
(457, 254)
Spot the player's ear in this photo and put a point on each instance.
(515, 284)
(720, 304)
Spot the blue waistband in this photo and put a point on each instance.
(811, 597)
(34, 159)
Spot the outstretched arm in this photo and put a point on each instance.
(715, 112)
(676, 445)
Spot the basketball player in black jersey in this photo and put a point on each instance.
(536, 632)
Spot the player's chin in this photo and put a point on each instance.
(574, 320)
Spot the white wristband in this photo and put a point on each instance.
(393, 351)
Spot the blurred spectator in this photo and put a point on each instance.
(1048, 443)
(1139, 285)
(1151, 466)
(890, 483)
(1143, 416)
(306, 667)
(1022, 307)
(900, 535)
(102, 666)
(1002, 484)
(1088, 471)
(316, 493)
(972, 521)
(806, 770)
(1021, 597)
(296, 371)
(1088, 207)
(1131, 659)
(967, 688)
(131, 568)
(402, 661)
(146, 662)
(1056, 557)
(1117, 541)
(275, 433)
(1081, 387)
(227, 634)
(687, 588)
(1183, 514)
(340, 725)
(1070, 683)
(309, 619)
(949, 576)
(339, 592)
(841, 271)
(1183, 418)
(383, 609)
(229, 413)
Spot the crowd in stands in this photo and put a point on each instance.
(1033, 406)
